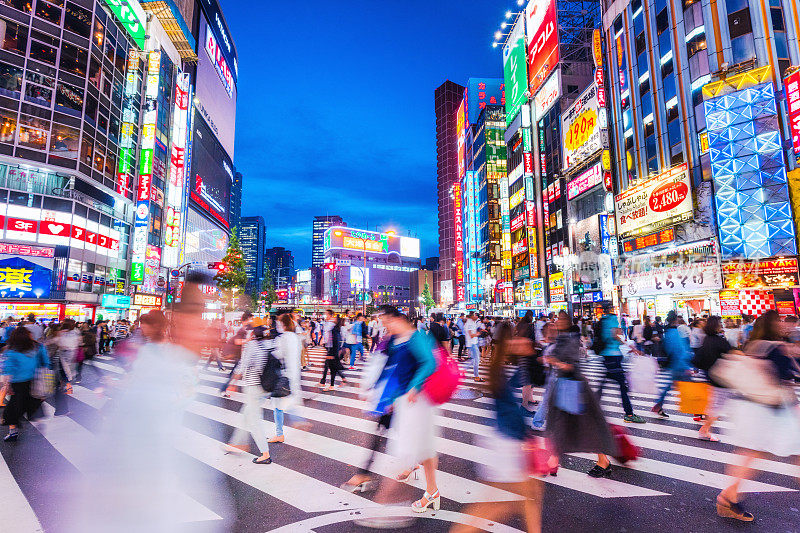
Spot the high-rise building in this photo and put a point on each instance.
(252, 238)
(321, 223)
(92, 152)
(280, 263)
(447, 99)
(702, 102)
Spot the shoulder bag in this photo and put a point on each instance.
(44, 379)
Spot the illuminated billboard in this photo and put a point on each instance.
(174, 221)
(461, 139)
(342, 238)
(542, 37)
(212, 173)
(132, 17)
(580, 128)
(792, 84)
(216, 89)
(515, 74)
(656, 203)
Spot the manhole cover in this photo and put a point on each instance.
(467, 394)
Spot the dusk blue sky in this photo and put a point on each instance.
(335, 112)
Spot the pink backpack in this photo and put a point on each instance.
(444, 381)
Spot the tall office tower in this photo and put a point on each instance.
(236, 200)
(252, 237)
(280, 263)
(447, 99)
(321, 223)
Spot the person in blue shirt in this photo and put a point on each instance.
(610, 333)
(462, 338)
(23, 357)
(679, 355)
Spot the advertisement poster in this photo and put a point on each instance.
(557, 293)
(684, 278)
(537, 293)
(585, 181)
(482, 92)
(580, 128)
(20, 278)
(547, 95)
(729, 304)
(212, 173)
(792, 84)
(542, 31)
(761, 274)
(653, 204)
(515, 74)
(216, 88)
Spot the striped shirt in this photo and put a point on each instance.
(254, 357)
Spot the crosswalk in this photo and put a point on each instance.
(310, 465)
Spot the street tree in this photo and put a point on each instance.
(232, 278)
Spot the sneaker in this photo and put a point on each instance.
(352, 368)
(598, 471)
(662, 414)
(699, 418)
(11, 437)
(635, 419)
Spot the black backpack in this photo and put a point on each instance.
(272, 379)
(364, 330)
(598, 344)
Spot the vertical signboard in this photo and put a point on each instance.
(461, 139)
(174, 219)
(792, 84)
(144, 185)
(515, 73)
(542, 33)
(130, 119)
(132, 17)
(459, 244)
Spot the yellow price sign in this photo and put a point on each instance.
(581, 129)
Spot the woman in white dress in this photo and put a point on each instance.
(761, 429)
(288, 348)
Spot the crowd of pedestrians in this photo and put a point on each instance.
(745, 372)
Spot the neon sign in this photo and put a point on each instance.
(215, 54)
(132, 17)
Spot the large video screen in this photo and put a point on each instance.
(212, 172)
(216, 87)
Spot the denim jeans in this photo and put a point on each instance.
(357, 347)
(475, 354)
(676, 376)
(279, 422)
(539, 420)
(617, 375)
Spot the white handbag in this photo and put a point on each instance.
(753, 376)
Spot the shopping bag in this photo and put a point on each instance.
(537, 459)
(694, 396)
(642, 375)
(627, 450)
(569, 396)
(5, 390)
(444, 381)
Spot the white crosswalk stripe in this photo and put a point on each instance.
(671, 450)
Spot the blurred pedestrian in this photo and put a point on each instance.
(20, 361)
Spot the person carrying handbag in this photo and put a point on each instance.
(288, 350)
(255, 352)
(576, 424)
(766, 417)
(22, 359)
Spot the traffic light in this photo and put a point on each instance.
(330, 266)
(218, 266)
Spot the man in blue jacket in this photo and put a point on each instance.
(679, 355)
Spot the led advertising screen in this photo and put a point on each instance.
(212, 173)
(792, 84)
(216, 88)
(514, 73)
(542, 32)
(656, 203)
(374, 243)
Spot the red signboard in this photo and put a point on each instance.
(459, 237)
(646, 241)
(586, 181)
(542, 23)
(527, 158)
(518, 222)
(792, 83)
(18, 224)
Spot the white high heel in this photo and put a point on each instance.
(434, 499)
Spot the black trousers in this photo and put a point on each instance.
(462, 345)
(383, 422)
(617, 375)
(21, 403)
(332, 363)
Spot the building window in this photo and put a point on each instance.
(662, 21)
(77, 20)
(739, 23)
(73, 59)
(43, 52)
(69, 99)
(48, 12)
(14, 36)
(33, 132)
(743, 48)
(10, 80)
(64, 142)
(8, 126)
